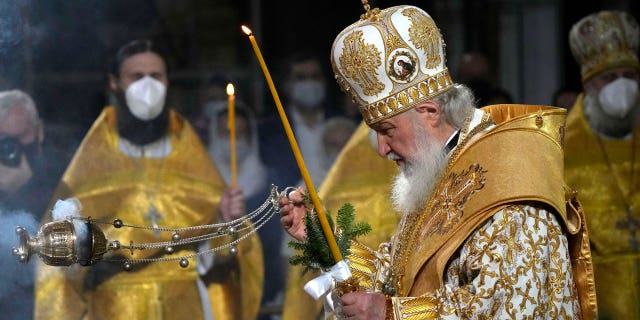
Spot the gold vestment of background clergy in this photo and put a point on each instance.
(606, 175)
(185, 188)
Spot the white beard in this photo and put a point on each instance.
(413, 185)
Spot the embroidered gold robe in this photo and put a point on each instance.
(498, 239)
(184, 188)
(607, 177)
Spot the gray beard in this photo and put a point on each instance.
(605, 124)
(415, 182)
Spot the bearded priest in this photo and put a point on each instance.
(142, 164)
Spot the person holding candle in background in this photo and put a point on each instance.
(231, 126)
(141, 162)
(212, 95)
(254, 179)
(487, 227)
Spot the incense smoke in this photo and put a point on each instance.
(16, 279)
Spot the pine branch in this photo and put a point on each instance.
(315, 252)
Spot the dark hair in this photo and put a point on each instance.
(132, 48)
(217, 80)
(303, 55)
(561, 90)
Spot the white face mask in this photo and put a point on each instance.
(309, 94)
(145, 98)
(618, 97)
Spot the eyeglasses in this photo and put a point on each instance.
(10, 151)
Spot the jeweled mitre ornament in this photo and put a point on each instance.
(604, 40)
(390, 61)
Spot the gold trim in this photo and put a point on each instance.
(406, 99)
(591, 70)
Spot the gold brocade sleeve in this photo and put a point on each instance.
(513, 267)
(349, 180)
(369, 267)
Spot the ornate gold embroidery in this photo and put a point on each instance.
(528, 271)
(456, 191)
(391, 42)
(373, 113)
(359, 62)
(393, 104)
(424, 35)
(415, 308)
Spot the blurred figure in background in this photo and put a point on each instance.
(335, 135)
(474, 70)
(254, 179)
(349, 109)
(474, 65)
(143, 163)
(252, 173)
(29, 171)
(565, 97)
(29, 168)
(601, 155)
(307, 106)
(212, 96)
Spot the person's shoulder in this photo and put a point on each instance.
(61, 142)
(525, 211)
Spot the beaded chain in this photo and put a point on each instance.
(239, 229)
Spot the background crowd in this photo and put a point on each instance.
(58, 53)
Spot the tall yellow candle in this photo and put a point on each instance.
(326, 228)
(232, 131)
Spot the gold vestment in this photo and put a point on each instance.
(527, 140)
(184, 188)
(606, 176)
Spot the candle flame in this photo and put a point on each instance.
(246, 30)
(230, 90)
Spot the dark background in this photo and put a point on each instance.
(59, 50)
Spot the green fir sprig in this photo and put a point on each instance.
(314, 252)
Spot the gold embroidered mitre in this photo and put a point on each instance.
(390, 61)
(604, 40)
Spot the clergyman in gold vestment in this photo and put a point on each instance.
(142, 163)
(602, 155)
(488, 229)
